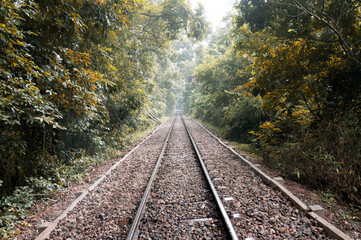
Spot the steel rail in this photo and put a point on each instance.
(224, 216)
(132, 234)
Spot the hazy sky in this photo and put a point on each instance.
(215, 9)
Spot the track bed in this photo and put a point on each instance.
(256, 210)
(181, 204)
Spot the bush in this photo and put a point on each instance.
(240, 118)
(14, 207)
(325, 156)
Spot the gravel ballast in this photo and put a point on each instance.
(257, 210)
(107, 211)
(180, 205)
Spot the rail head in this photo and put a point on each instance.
(329, 227)
(224, 216)
(50, 226)
(132, 234)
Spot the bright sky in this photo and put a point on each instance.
(215, 9)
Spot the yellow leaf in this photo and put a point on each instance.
(20, 43)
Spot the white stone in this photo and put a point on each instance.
(318, 210)
(280, 180)
(228, 199)
(43, 226)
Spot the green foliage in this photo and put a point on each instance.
(242, 116)
(329, 198)
(306, 68)
(325, 159)
(218, 96)
(41, 185)
(177, 15)
(14, 208)
(72, 73)
(75, 77)
(287, 79)
(173, 70)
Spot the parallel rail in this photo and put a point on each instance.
(133, 232)
(138, 217)
(224, 216)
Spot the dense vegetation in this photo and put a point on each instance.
(79, 77)
(173, 69)
(287, 79)
(76, 80)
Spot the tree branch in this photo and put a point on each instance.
(308, 106)
(151, 15)
(341, 13)
(347, 49)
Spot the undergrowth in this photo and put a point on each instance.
(15, 208)
(327, 161)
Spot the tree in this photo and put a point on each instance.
(217, 94)
(306, 71)
(76, 74)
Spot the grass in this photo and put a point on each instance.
(15, 208)
(143, 133)
(242, 147)
(164, 118)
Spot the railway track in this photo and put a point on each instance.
(197, 189)
(257, 210)
(184, 202)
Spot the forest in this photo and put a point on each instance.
(284, 76)
(79, 79)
